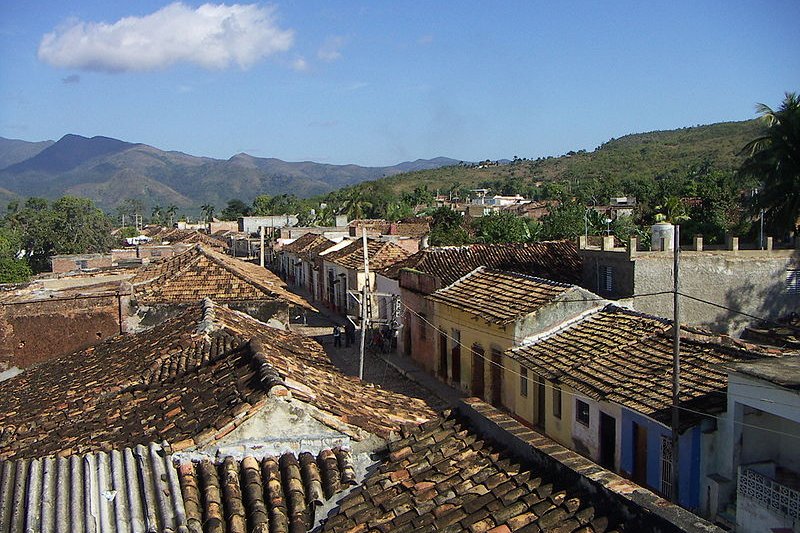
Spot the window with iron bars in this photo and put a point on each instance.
(666, 465)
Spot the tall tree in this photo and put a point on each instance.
(208, 211)
(774, 160)
(170, 213)
(69, 225)
(235, 209)
(500, 228)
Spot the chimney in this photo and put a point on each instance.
(423, 243)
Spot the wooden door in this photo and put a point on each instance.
(477, 371)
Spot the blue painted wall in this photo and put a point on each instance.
(688, 460)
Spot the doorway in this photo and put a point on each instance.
(477, 371)
(496, 373)
(608, 440)
(639, 454)
(443, 357)
(540, 399)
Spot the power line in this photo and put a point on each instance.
(547, 385)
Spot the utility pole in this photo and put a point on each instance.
(364, 303)
(676, 362)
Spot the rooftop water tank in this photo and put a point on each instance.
(662, 236)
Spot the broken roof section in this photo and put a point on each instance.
(501, 297)
(204, 273)
(381, 255)
(192, 381)
(555, 260)
(620, 356)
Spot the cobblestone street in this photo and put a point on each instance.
(377, 369)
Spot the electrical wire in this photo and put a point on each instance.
(546, 384)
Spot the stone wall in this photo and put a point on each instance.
(36, 331)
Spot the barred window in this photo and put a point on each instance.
(793, 281)
(605, 278)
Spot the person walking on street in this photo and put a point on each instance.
(349, 333)
(337, 336)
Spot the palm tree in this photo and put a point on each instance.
(171, 211)
(157, 215)
(355, 204)
(208, 211)
(774, 159)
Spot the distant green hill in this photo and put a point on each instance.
(637, 156)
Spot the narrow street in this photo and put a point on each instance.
(377, 367)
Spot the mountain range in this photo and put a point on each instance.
(110, 170)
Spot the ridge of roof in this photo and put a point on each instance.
(500, 296)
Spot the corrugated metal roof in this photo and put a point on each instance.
(129, 491)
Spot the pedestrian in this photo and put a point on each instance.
(349, 333)
(337, 336)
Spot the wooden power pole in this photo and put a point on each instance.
(364, 303)
(676, 362)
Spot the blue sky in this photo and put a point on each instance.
(376, 83)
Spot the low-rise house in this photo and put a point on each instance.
(758, 464)
(78, 262)
(603, 387)
(344, 274)
(431, 269)
(407, 234)
(166, 236)
(479, 469)
(481, 315)
(301, 263)
(203, 273)
(250, 225)
(208, 379)
(726, 287)
(476, 469)
(258, 431)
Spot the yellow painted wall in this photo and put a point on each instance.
(474, 331)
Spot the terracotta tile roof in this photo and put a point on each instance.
(204, 273)
(381, 255)
(161, 234)
(555, 260)
(134, 489)
(499, 296)
(306, 242)
(188, 381)
(147, 489)
(272, 494)
(446, 477)
(624, 357)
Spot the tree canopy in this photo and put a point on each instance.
(774, 160)
(69, 225)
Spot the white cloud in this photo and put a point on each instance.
(331, 49)
(300, 64)
(213, 36)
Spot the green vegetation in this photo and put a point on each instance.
(32, 232)
(774, 160)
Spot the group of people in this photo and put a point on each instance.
(349, 334)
